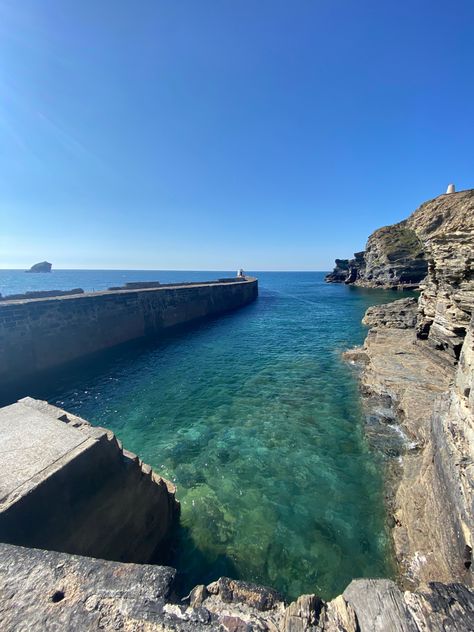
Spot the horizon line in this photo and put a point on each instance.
(146, 270)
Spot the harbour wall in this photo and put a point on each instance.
(41, 334)
(68, 486)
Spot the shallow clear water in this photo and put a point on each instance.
(257, 420)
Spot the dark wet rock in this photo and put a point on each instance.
(340, 272)
(43, 266)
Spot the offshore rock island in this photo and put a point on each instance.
(42, 266)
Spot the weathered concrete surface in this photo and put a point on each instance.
(40, 334)
(30, 442)
(68, 486)
(49, 591)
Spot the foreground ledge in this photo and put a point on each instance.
(44, 590)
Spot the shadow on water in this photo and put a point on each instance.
(50, 383)
(210, 566)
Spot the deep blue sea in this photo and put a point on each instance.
(257, 420)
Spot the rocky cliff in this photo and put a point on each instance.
(395, 256)
(445, 226)
(418, 377)
(399, 256)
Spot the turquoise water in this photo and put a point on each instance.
(257, 420)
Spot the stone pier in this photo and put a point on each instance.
(37, 334)
(68, 486)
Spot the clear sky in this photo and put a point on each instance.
(199, 134)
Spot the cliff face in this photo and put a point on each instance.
(445, 226)
(394, 257)
(419, 364)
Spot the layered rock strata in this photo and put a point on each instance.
(44, 590)
(401, 255)
(393, 258)
(446, 227)
(418, 376)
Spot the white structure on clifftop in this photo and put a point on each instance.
(450, 189)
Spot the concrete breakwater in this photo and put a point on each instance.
(68, 486)
(44, 333)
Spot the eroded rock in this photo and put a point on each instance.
(399, 314)
(45, 591)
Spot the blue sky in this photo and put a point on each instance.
(196, 134)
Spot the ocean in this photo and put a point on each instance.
(256, 419)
